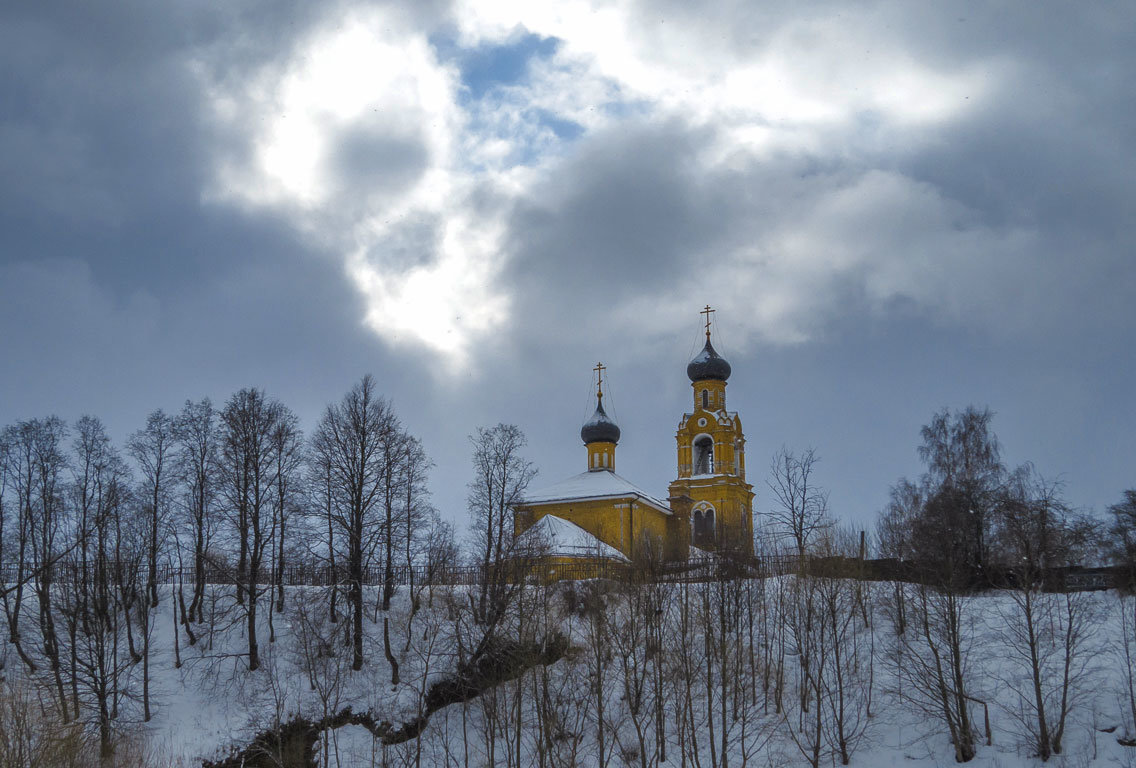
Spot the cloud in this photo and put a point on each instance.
(290, 195)
(480, 163)
(355, 133)
(611, 162)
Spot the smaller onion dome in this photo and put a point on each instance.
(708, 364)
(600, 428)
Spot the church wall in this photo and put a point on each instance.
(732, 500)
(678, 528)
(622, 523)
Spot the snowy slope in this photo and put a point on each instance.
(212, 702)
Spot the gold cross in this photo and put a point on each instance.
(599, 369)
(708, 312)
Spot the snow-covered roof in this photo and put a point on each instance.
(589, 486)
(557, 537)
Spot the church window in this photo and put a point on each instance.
(705, 399)
(703, 455)
(702, 526)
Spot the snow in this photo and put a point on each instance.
(586, 486)
(213, 702)
(599, 417)
(704, 355)
(557, 537)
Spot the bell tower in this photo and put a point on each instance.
(711, 459)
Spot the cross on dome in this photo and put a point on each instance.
(708, 311)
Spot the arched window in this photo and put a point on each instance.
(702, 526)
(703, 455)
(705, 399)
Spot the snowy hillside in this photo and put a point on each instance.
(655, 674)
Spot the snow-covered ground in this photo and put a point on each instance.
(641, 650)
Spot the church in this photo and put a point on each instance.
(598, 516)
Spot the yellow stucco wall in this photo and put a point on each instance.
(622, 523)
(601, 455)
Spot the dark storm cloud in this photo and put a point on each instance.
(621, 213)
(1040, 177)
(120, 289)
(104, 142)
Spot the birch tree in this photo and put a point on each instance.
(350, 446)
(501, 476)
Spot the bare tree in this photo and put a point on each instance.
(349, 446)
(801, 508)
(943, 525)
(811, 644)
(90, 453)
(47, 517)
(440, 553)
(894, 530)
(1046, 635)
(1122, 535)
(501, 476)
(314, 647)
(195, 429)
(249, 468)
(152, 447)
(598, 663)
(393, 474)
(287, 451)
(98, 653)
(846, 694)
(418, 517)
(19, 471)
(930, 663)
(5, 512)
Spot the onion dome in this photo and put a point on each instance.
(708, 364)
(600, 428)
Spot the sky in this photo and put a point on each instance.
(893, 207)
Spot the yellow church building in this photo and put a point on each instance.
(598, 515)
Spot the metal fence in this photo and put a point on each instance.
(712, 568)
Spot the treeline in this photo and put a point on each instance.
(969, 524)
(237, 489)
(725, 671)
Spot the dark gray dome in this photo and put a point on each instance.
(708, 365)
(599, 428)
